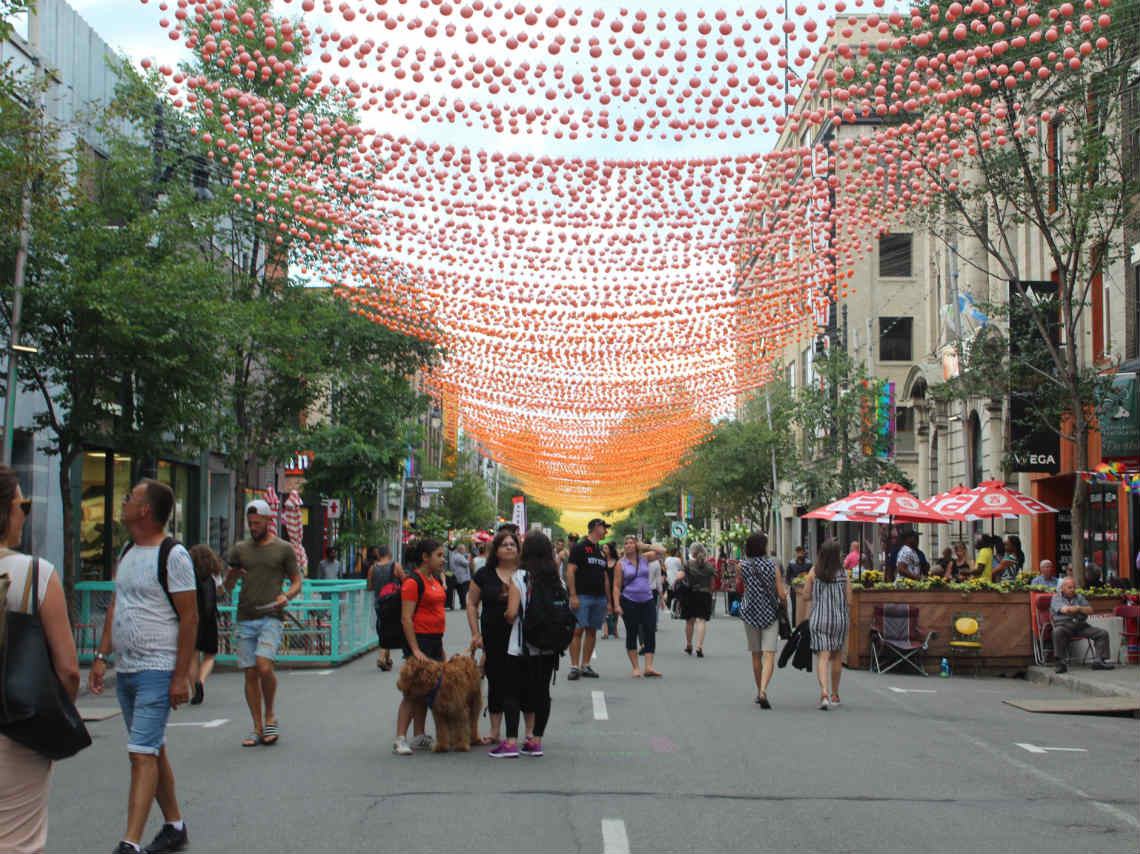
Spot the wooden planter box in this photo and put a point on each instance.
(1007, 629)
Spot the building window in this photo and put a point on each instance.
(904, 430)
(894, 256)
(1055, 153)
(894, 339)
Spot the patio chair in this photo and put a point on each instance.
(1130, 636)
(967, 638)
(897, 638)
(1042, 622)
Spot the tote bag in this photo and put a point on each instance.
(35, 710)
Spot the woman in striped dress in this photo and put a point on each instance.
(829, 589)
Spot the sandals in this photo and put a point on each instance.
(270, 734)
(688, 650)
(652, 674)
(700, 652)
(252, 740)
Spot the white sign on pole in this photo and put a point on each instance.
(437, 484)
(334, 508)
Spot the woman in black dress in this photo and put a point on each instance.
(490, 587)
(207, 575)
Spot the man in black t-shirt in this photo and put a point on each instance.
(590, 596)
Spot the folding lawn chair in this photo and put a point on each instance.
(897, 638)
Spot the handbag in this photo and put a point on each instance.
(785, 628)
(35, 710)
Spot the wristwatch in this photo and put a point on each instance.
(100, 657)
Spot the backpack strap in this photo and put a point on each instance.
(32, 587)
(419, 588)
(163, 556)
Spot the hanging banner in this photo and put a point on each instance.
(519, 515)
(1119, 422)
(1035, 447)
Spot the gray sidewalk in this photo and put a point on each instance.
(1123, 681)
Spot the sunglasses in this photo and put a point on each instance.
(26, 506)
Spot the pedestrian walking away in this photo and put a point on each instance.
(262, 563)
(633, 593)
(383, 572)
(424, 621)
(589, 597)
(829, 589)
(461, 571)
(696, 607)
(764, 598)
(152, 624)
(208, 577)
(490, 631)
(529, 668)
(25, 775)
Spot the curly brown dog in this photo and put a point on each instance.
(458, 700)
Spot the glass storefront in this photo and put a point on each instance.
(106, 479)
(1102, 534)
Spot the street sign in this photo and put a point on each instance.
(430, 490)
(333, 508)
(436, 484)
(679, 529)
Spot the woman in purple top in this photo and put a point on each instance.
(633, 598)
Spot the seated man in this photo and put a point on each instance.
(1047, 577)
(1070, 612)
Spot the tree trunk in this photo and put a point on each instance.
(1080, 493)
(69, 571)
(241, 482)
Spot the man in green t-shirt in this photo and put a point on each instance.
(263, 562)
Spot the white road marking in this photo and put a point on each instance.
(214, 724)
(600, 711)
(614, 838)
(314, 672)
(1033, 748)
(912, 690)
(987, 748)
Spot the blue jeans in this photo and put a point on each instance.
(260, 638)
(591, 612)
(144, 698)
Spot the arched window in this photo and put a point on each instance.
(975, 428)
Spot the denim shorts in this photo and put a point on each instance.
(144, 697)
(591, 612)
(260, 638)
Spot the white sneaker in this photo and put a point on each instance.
(401, 747)
(422, 742)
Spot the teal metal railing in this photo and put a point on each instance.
(329, 623)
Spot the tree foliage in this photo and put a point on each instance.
(1063, 174)
(123, 289)
(842, 444)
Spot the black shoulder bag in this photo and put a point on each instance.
(35, 710)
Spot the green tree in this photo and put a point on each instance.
(536, 511)
(281, 352)
(122, 288)
(1074, 199)
(841, 420)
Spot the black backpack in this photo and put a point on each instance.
(548, 621)
(163, 556)
(389, 608)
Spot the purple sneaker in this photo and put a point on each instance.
(533, 747)
(505, 751)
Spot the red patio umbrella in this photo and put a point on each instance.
(483, 536)
(953, 503)
(837, 511)
(888, 504)
(993, 500)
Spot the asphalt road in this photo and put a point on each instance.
(684, 763)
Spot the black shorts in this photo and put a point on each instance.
(697, 605)
(430, 645)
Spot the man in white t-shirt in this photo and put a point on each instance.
(908, 564)
(152, 631)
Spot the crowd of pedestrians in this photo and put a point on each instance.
(162, 625)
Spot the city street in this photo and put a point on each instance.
(686, 763)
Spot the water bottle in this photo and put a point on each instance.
(945, 671)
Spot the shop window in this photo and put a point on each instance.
(975, 428)
(895, 339)
(105, 481)
(904, 430)
(1102, 533)
(177, 477)
(220, 511)
(895, 256)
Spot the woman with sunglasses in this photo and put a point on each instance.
(25, 775)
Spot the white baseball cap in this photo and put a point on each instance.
(258, 506)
